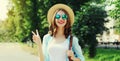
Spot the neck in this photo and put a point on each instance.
(60, 31)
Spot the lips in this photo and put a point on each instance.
(61, 21)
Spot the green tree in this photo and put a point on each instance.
(115, 14)
(21, 19)
(89, 22)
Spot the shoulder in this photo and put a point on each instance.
(46, 36)
(75, 38)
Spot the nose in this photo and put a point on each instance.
(60, 18)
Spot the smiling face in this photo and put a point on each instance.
(61, 18)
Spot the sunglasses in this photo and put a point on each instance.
(64, 16)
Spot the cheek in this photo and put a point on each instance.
(56, 21)
(65, 21)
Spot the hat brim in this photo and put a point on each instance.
(53, 9)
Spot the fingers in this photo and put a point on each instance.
(33, 33)
(70, 53)
(37, 32)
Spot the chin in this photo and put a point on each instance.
(61, 25)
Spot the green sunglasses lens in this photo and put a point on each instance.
(57, 16)
(64, 16)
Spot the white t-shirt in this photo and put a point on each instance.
(58, 51)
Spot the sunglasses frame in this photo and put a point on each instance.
(64, 16)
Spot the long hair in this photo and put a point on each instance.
(53, 27)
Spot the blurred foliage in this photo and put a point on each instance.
(115, 14)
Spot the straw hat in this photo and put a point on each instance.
(53, 9)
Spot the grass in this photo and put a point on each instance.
(102, 54)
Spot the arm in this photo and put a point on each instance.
(40, 52)
(36, 38)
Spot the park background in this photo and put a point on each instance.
(97, 25)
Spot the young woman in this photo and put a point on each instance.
(55, 46)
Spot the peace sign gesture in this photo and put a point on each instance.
(36, 37)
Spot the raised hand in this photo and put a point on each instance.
(36, 37)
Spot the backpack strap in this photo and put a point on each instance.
(70, 46)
